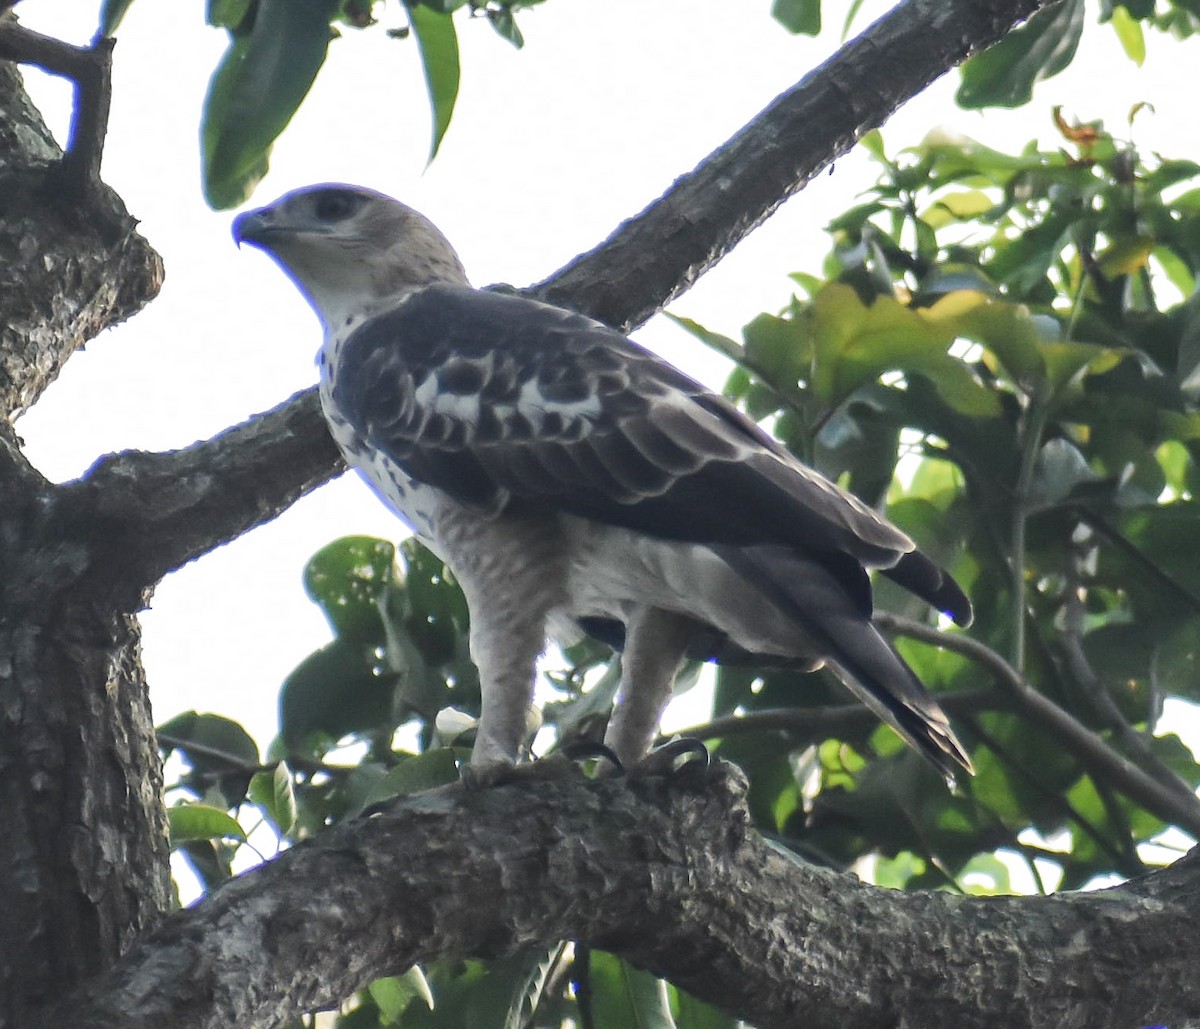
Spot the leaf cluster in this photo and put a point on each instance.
(276, 48)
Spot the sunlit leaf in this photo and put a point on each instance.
(854, 343)
(1126, 256)
(1129, 32)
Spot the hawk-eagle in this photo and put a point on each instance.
(572, 480)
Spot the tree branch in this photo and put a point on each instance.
(146, 514)
(92, 269)
(660, 253)
(655, 256)
(669, 875)
(1096, 755)
(816, 723)
(1136, 744)
(90, 69)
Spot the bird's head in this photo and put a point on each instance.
(351, 251)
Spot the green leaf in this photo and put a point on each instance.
(393, 994)
(1067, 359)
(211, 743)
(438, 43)
(502, 20)
(190, 822)
(275, 796)
(780, 350)
(626, 996)
(283, 797)
(963, 205)
(414, 775)
(721, 344)
(528, 973)
(111, 13)
(350, 579)
(691, 1013)
(228, 14)
(1004, 75)
(260, 82)
(854, 343)
(985, 875)
(798, 16)
(334, 692)
(1129, 33)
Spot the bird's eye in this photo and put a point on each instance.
(334, 205)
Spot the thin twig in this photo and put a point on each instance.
(833, 720)
(1089, 748)
(1135, 743)
(1128, 547)
(1114, 850)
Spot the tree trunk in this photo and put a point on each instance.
(83, 867)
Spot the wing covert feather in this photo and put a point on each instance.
(497, 399)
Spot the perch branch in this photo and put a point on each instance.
(658, 254)
(665, 872)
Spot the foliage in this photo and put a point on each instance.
(1002, 349)
(276, 48)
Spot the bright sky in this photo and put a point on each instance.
(549, 149)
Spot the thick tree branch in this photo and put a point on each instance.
(661, 252)
(1161, 799)
(655, 256)
(670, 876)
(145, 514)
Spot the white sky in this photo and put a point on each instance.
(549, 149)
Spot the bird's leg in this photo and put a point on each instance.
(510, 572)
(655, 643)
(507, 661)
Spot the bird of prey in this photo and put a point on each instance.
(573, 481)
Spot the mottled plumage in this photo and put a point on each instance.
(573, 480)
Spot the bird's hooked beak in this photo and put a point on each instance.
(256, 227)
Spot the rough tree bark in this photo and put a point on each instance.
(668, 873)
(82, 856)
(82, 865)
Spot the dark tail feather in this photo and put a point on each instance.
(829, 616)
(919, 575)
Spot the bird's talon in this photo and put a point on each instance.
(675, 757)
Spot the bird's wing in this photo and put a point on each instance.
(499, 400)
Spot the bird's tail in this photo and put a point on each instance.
(838, 624)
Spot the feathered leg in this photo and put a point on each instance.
(655, 643)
